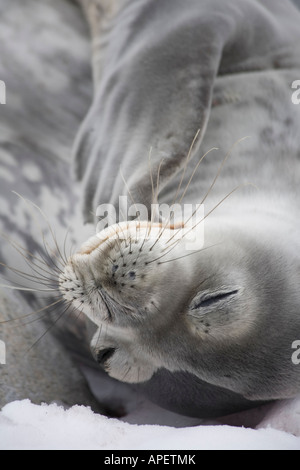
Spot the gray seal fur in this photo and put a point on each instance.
(219, 324)
(243, 82)
(45, 104)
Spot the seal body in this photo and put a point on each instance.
(45, 103)
(206, 331)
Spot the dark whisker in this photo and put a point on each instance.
(100, 250)
(53, 255)
(39, 270)
(21, 250)
(29, 277)
(65, 259)
(129, 192)
(189, 254)
(194, 172)
(124, 237)
(48, 329)
(26, 289)
(35, 312)
(51, 230)
(216, 206)
(45, 315)
(157, 180)
(126, 373)
(221, 167)
(29, 204)
(150, 173)
(186, 164)
(143, 243)
(167, 224)
(118, 240)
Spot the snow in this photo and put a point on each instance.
(24, 425)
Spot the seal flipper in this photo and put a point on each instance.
(186, 394)
(154, 86)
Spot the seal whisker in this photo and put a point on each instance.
(129, 192)
(150, 173)
(194, 172)
(216, 177)
(143, 243)
(184, 192)
(48, 329)
(43, 316)
(126, 373)
(119, 240)
(30, 277)
(99, 331)
(124, 236)
(222, 166)
(212, 210)
(21, 250)
(100, 250)
(106, 305)
(26, 288)
(157, 180)
(136, 235)
(39, 270)
(189, 254)
(155, 196)
(180, 183)
(61, 300)
(219, 203)
(30, 203)
(213, 183)
(186, 164)
(65, 258)
(52, 255)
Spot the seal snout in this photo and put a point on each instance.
(123, 265)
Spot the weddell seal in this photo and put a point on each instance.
(206, 331)
(38, 124)
(192, 108)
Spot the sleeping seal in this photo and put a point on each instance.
(207, 331)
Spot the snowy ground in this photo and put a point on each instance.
(27, 426)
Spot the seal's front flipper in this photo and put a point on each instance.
(155, 66)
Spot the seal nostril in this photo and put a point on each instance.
(104, 355)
